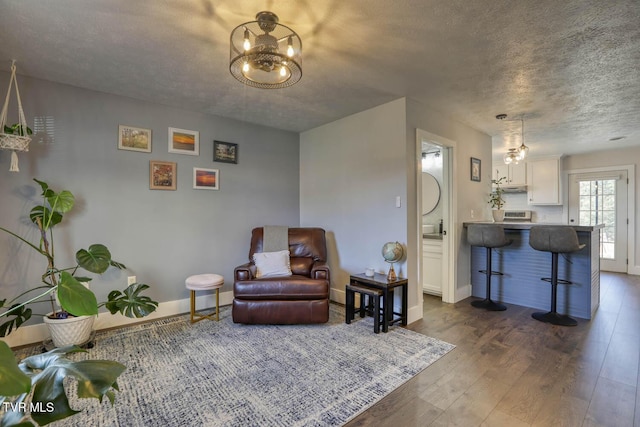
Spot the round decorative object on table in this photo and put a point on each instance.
(204, 282)
(392, 252)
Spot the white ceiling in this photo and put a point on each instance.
(571, 67)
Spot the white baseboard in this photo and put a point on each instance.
(462, 293)
(634, 270)
(37, 333)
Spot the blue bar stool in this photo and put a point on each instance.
(489, 236)
(557, 240)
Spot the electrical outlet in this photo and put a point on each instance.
(131, 280)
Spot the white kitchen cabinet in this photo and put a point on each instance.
(543, 181)
(516, 175)
(432, 266)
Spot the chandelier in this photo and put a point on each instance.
(515, 155)
(266, 54)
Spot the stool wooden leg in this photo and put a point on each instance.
(350, 306)
(217, 304)
(193, 305)
(376, 314)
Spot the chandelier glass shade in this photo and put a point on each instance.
(265, 54)
(515, 155)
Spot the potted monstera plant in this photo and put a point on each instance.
(496, 200)
(72, 321)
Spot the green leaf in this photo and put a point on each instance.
(43, 185)
(130, 303)
(95, 377)
(61, 202)
(20, 315)
(96, 259)
(75, 298)
(8, 130)
(12, 380)
(38, 362)
(50, 388)
(47, 218)
(118, 265)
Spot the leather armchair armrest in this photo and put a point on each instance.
(244, 272)
(320, 270)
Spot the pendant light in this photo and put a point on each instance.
(515, 155)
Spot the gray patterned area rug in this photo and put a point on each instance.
(224, 374)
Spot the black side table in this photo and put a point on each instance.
(379, 281)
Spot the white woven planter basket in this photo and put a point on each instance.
(70, 331)
(12, 142)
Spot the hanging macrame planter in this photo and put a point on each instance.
(19, 139)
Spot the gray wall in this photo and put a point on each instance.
(353, 169)
(162, 236)
(469, 196)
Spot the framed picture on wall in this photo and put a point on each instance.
(162, 175)
(206, 179)
(475, 169)
(134, 139)
(225, 152)
(182, 141)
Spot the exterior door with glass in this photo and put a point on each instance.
(601, 198)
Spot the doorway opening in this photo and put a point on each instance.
(435, 187)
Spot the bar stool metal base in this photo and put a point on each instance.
(489, 305)
(555, 318)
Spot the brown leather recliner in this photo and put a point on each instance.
(300, 298)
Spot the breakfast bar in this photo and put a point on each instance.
(523, 268)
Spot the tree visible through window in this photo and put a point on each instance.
(598, 206)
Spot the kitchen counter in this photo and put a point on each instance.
(526, 225)
(523, 267)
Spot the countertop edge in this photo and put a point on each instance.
(528, 225)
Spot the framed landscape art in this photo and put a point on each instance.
(225, 152)
(182, 141)
(475, 169)
(162, 175)
(134, 139)
(206, 179)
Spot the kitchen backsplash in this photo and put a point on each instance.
(550, 214)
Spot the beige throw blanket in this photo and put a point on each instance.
(275, 238)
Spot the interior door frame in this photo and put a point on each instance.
(631, 202)
(448, 249)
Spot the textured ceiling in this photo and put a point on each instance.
(571, 67)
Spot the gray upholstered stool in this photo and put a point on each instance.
(557, 240)
(488, 236)
(204, 282)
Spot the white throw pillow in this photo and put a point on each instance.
(272, 264)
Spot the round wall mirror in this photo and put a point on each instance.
(430, 193)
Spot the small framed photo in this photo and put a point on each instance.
(475, 169)
(182, 141)
(162, 175)
(206, 179)
(225, 152)
(134, 139)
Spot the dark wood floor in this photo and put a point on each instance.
(511, 370)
